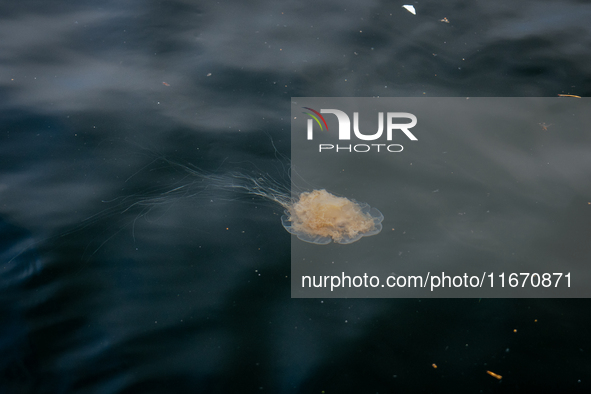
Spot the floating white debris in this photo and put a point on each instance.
(410, 9)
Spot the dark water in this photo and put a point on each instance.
(114, 280)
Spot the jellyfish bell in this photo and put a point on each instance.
(320, 217)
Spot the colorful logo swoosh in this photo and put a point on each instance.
(315, 116)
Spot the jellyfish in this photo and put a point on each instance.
(320, 217)
(315, 216)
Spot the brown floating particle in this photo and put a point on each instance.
(494, 375)
(568, 95)
(434, 365)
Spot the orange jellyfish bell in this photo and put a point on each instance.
(320, 217)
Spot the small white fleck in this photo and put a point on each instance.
(410, 9)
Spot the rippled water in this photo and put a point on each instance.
(122, 273)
